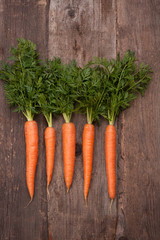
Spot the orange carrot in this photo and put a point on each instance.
(50, 139)
(88, 142)
(69, 140)
(110, 152)
(31, 135)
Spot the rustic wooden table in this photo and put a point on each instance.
(81, 30)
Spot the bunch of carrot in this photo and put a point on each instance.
(101, 88)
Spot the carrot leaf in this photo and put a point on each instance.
(89, 90)
(59, 80)
(124, 80)
(48, 96)
(22, 78)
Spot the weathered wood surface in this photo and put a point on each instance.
(20, 19)
(81, 30)
(138, 28)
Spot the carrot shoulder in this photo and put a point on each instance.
(50, 140)
(31, 136)
(110, 153)
(88, 142)
(69, 140)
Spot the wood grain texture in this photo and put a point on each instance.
(81, 30)
(20, 19)
(139, 196)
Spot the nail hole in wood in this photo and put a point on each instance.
(71, 13)
(123, 238)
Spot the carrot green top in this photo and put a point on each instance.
(65, 97)
(124, 80)
(48, 94)
(89, 90)
(102, 87)
(59, 80)
(22, 78)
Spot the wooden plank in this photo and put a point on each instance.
(139, 168)
(81, 30)
(20, 19)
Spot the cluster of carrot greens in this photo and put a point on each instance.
(102, 88)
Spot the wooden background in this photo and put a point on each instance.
(83, 29)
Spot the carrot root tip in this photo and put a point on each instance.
(86, 202)
(29, 203)
(111, 204)
(48, 193)
(67, 190)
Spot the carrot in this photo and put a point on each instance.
(69, 139)
(123, 81)
(31, 135)
(110, 152)
(89, 91)
(50, 139)
(88, 142)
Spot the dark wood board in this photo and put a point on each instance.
(81, 30)
(21, 19)
(138, 29)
